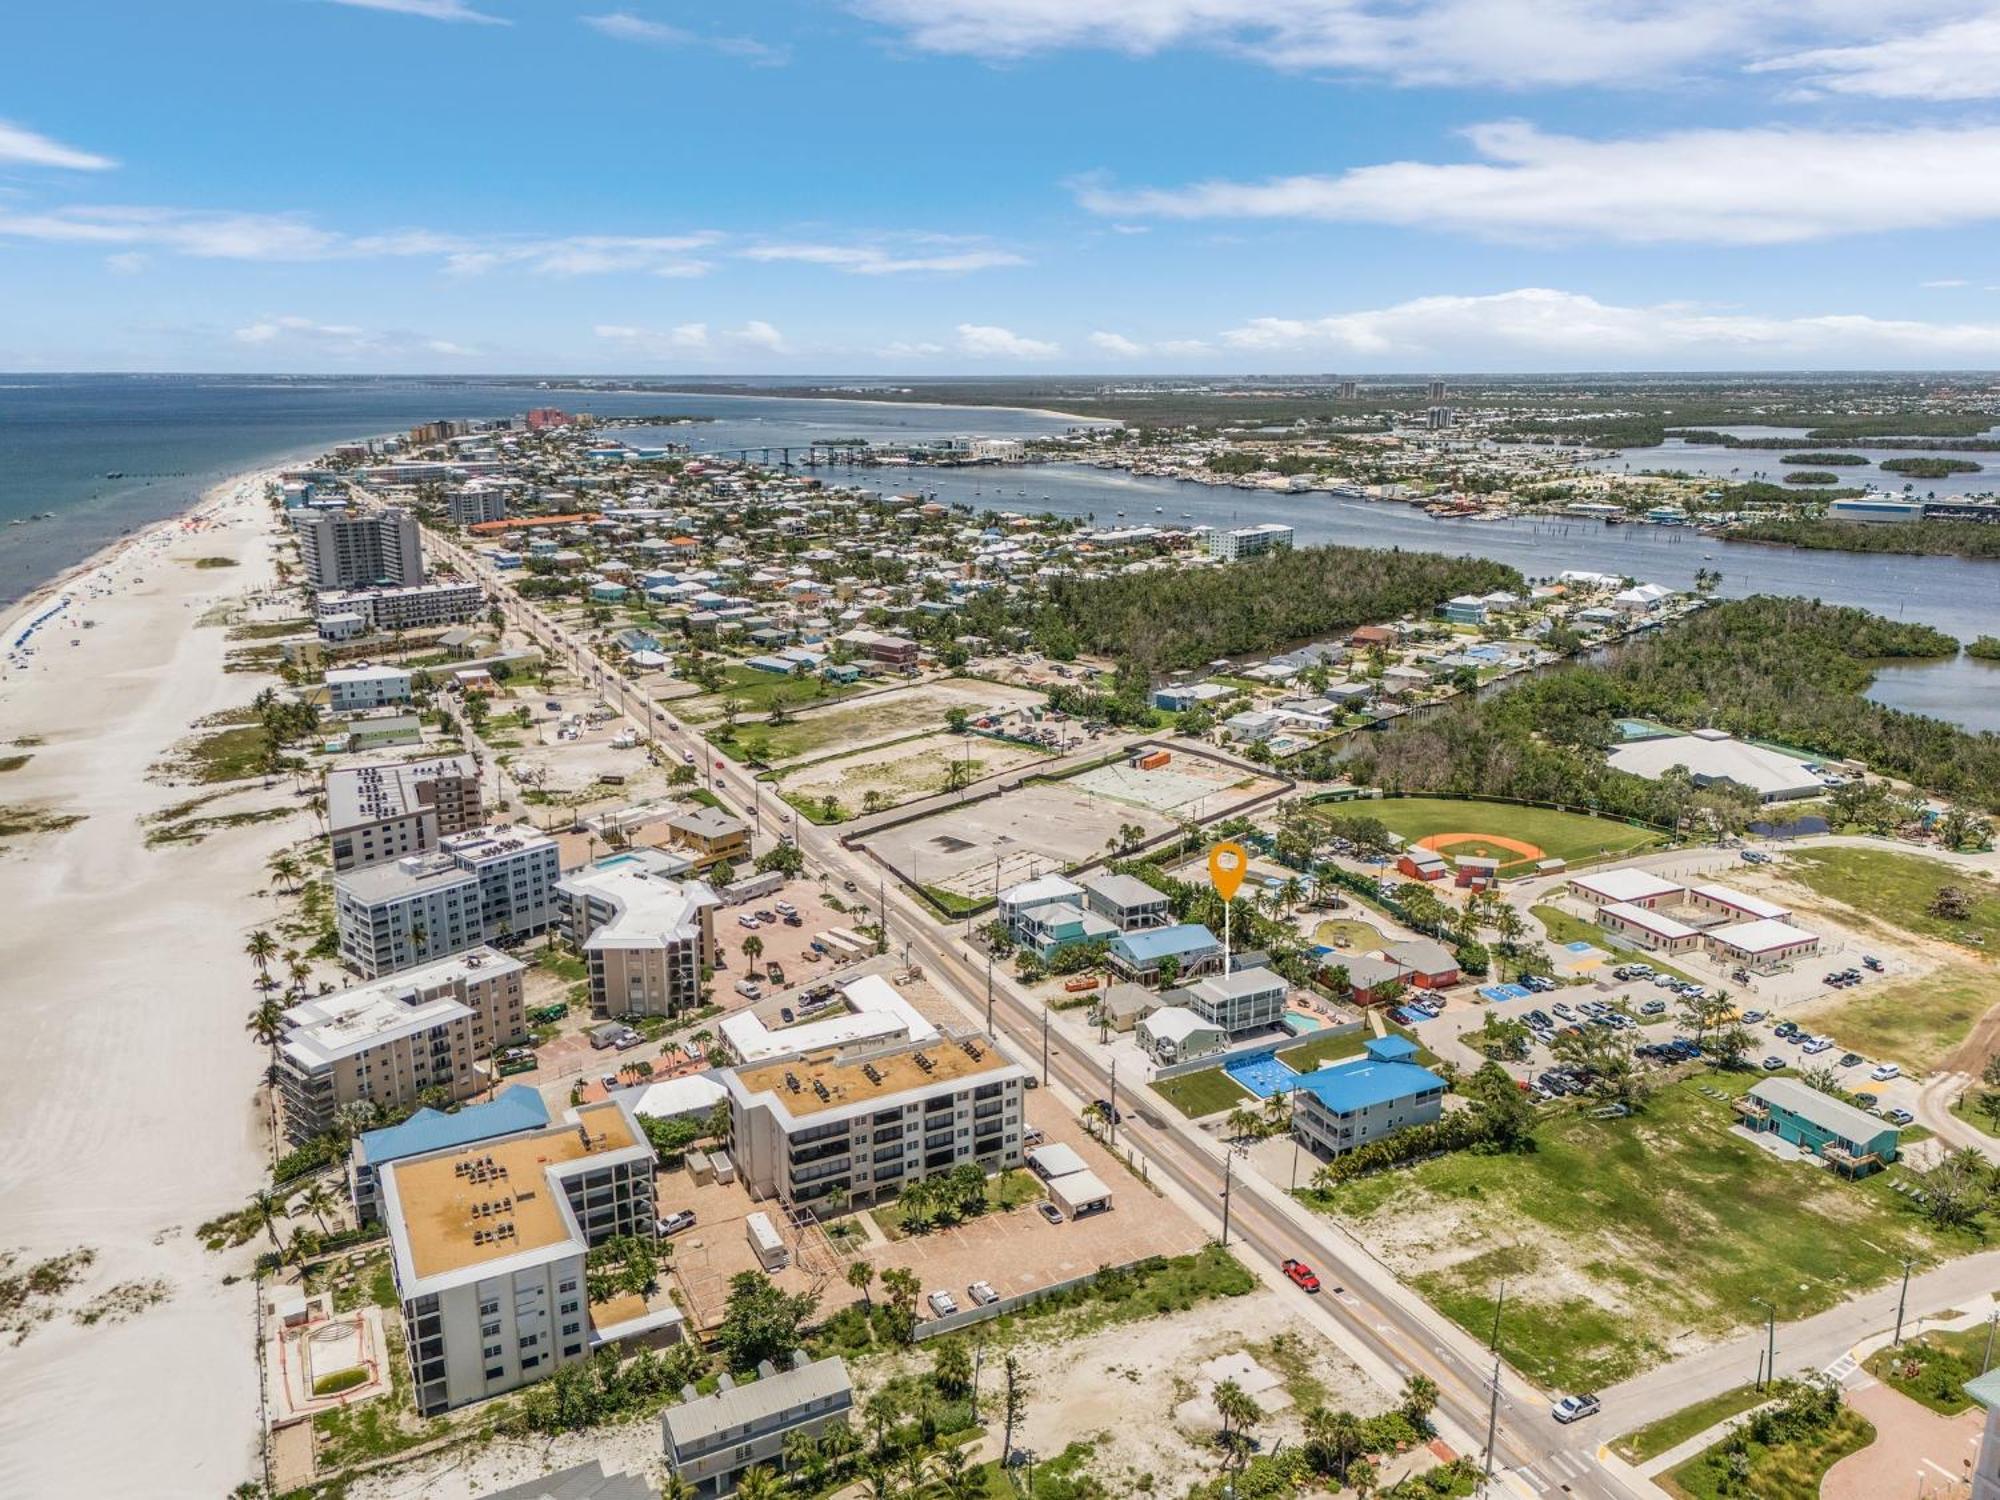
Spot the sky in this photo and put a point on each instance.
(999, 187)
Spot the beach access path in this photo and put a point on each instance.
(126, 1100)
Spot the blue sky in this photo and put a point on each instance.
(999, 186)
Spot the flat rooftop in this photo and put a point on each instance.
(368, 794)
(825, 1082)
(484, 1203)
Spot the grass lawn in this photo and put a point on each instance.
(756, 691)
(1345, 932)
(1918, 1022)
(1205, 1093)
(1784, 1471)
(1009, 1190)
(1564, 929)
(1621, 1238)
(1967, 1107)
(1933, 1367)
(1896, 888)
(1658, 1437)
(1560, 835)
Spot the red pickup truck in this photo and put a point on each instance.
(1302, 1275)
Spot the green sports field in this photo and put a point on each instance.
(1559, 835)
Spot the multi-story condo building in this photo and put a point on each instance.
(347, 549)
(1235, 542)
(487, 1244)
(393, 1041)
(345, 613)
(513, 1109)
(864, 1123)
(351, 689)
(712, 837)
(711, 1440)
(1241, 1000)
(378, 813)
(477, 500)
(476, 888)
(645, 938)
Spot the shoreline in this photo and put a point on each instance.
(134, 1116)
(803, 395)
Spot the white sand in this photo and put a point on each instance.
(126, 1098)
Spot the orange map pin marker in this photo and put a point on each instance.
(1227, 864)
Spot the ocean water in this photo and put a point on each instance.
(171, 436)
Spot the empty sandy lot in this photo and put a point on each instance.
(906, 770)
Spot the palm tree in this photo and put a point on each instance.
(954, 1477)
(1420, 1399)
(861, 1276)
(265, 1207)
(1335, 1440)
(1233, 1405)
(286, 871)
(298, 968)
(758, 1483)
(316, 1200)
(753, 947)
(262, 948)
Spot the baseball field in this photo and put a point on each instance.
(1516, 836)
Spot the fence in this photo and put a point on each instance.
(931, 1328)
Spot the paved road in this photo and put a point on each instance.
(1532, 1454)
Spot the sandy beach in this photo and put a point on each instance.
(126, 1115)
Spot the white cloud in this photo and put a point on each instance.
(1958, 60)
(1117, 343)
(985, 341)
(903, 349)
(20, 146)
(623, 26)
(589, 255)
(757, 334)
(126, 262)
(1944, 281)
(871, 260)
(684, 336)
(1541, 328)
(430, 10)
(1709, 186)
(1514, 44)
(297, 335)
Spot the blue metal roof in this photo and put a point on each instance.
(1985, 1390)
(1390, 1048)
(516, 1107)
(1165, 942)
(1362, 1082)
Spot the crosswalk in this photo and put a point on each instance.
(1552, 1471)
(1843, 1367)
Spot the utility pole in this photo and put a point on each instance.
(989, 994)
(1902, 1299)
(1493, 1345)
(1111, 1115)
(1770, 1341)
(1492, 1428)
(1987, 1363)
(1045, 1044)
(1228, 1162)
(882, 900)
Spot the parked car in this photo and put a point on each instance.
(1049, 1211)
(942, 1303)
(1849, 1060)
(1816, 1046)
(1302, 1275)
(675, 1223)
(1871, 962)
(785, 909)
(1653, 1008)
(1575, 1408)
(1900, 1117)
(982, 1293)
(1866, 1101)
(1752, 1017)
(1772, 1064)
(1883, 1072)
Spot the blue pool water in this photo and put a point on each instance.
(1262, 1074)
(1301, 1023)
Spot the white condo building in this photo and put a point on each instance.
(477, 888)
(345, 549)
(343, 614)
(487, 1244)
(378, 813)
(645, 937)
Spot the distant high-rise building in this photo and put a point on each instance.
(1438, 418)
(1437, 391)
(545, 416)
(344, 550)
(1349, 389)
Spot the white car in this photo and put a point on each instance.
(1575, 1408)
(942, 1304)
(1816, 1046)
(982, 1293)
(1883, 1072)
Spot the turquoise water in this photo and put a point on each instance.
(1301, 1024)
(1262, 1074)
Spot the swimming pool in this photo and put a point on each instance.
(1301, 1023)
(1262, 1074)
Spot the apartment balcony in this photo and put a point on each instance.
(1751, 1109)
(1851, 1161)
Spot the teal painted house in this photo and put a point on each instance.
(1850, 1139)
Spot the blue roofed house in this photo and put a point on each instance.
(1055, 925)
(1363, 1099)
(1192, 947)
(516, 1108)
